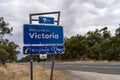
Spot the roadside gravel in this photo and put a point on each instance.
(80, 75)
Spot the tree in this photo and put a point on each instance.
(105, 46)
(3, 56)
(25, 59)
(75, 48)
(105, 33)
(4, 29)
(93, 39)
(117, 33)
(12, 49)
(9, 50)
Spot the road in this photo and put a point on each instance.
(100, 67)
(107, 68)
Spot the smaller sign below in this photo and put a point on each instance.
(46, 20)
(43, 50)
(43, 56)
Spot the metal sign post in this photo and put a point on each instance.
(31, 57)
(31, 67)
(53, 56)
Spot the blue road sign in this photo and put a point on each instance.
(46, 20)
(43, 49)
(43, 34)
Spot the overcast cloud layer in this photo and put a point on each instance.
(77, 16)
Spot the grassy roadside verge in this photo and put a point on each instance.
(21, 72)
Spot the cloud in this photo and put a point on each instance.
(84, 13)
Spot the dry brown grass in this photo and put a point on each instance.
(21, 72)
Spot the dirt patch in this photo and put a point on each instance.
(21, 72)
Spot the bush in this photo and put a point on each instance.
(3, 56)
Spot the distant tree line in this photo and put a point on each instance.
(94, 45)
(8, 49)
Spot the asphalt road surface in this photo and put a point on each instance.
(100, 67)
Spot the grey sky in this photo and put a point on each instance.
(77, 16)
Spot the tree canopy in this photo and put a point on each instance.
(8, 49)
